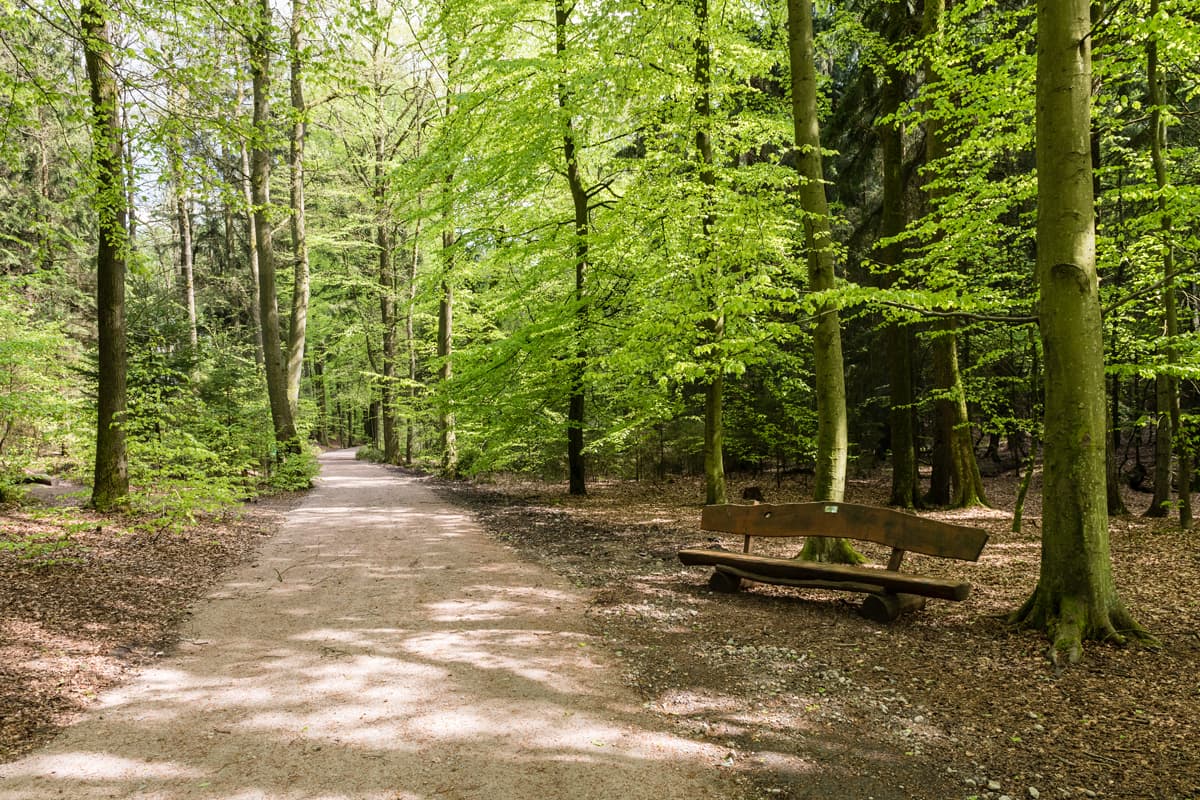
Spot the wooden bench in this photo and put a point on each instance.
(888, 591)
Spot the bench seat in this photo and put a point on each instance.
(816, 575)
(888, 591)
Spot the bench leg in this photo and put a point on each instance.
(721, 581)
(887, 606)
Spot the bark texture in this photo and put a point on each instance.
(298, 322)
(1075, 598)
(714, 435)
(1168, 388)
(260, 186)
(110, 488)
(832, 431)
(576, 471)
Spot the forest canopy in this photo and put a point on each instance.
(578, 240)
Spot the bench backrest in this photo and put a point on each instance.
(884, 526)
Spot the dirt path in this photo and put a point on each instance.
(380, 647)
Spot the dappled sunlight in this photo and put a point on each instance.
(374, 653)
(93, 766)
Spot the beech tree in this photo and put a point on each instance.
(829, 482)
(261, 45)
(110, 488)
(1075, 598)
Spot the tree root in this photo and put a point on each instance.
(830, 551)
(1069, 621)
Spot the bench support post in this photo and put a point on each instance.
(887, 606)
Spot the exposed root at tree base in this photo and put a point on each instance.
(831, 551)
(1070, 620)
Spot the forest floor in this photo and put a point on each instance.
(950, 701)
(800, 696)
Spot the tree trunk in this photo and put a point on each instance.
(251, 243)
(260, 183)
(387, 307)
(1159, 503)
(714, 457)
(1075, 598)
(579, 197)
(445, 347)
(410, 341)
(956, 480)
(905, 483)
(832, 432)
(298, 324)
(183, 222)
(1168, 384)
(110, 489)
(445, 335)
(966, 484)
(186, 261)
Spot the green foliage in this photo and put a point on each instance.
(35, 411)
(295, 472)
(43, 549)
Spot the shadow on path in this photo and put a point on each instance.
(380, 647)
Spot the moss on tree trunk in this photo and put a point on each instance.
(1075, 599)
(832, 436)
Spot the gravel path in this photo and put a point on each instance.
(380, 648)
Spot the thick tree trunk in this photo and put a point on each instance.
(966, 484)
(576, 473)
(260, 183)
(1075, 598)
(714, 455)
(832, 431)
(298, 323)
(110, 489)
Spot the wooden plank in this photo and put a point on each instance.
(785, 570)
(884, 526)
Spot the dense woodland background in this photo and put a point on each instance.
(574, 240)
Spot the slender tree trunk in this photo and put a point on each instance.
(1075, 598)
(956, 480)
(410, 342)
(714, 459)
(322, 393)
(905, 483)
(298, 324)
(1162, 447)
(130, 180)
(110, 489)
(251, 242)
(578, 365)
(445, 340)
(183, 222)
(1167, 384)
(387, 307)
(260, 182)
(832, 430)
(445, 335)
